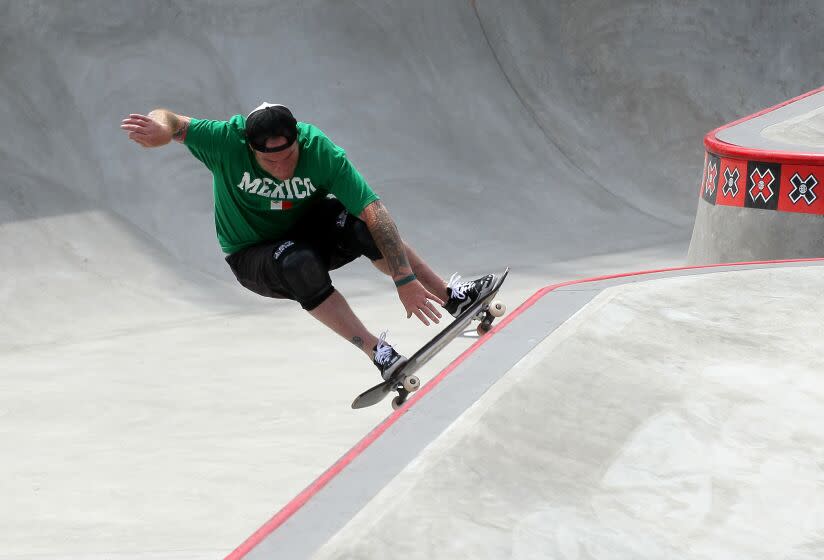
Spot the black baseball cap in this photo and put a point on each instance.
(269, 120)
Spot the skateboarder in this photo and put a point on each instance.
(281, 230)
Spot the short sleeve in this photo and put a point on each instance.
(208, 139)
(346, 182)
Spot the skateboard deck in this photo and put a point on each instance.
(403, 381)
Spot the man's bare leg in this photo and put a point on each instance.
(336, 314)
(430, 280)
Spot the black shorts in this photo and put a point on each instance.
(337, 237)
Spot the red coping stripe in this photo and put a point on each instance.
(786, 187)
(301, 499)
(716, 146)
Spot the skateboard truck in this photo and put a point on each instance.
(496, 309)
(409, 384)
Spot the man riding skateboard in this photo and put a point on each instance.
(290, 207)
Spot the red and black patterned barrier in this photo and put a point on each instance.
(749, 177)
(786, 187)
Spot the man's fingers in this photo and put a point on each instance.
(419, 314)
(134, 128)
(431, 312)
(426, 312)
(136, 122)
(434, 298)
(141, 141)
(139, 117)
(423, 305)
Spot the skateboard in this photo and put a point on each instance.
(403, 380)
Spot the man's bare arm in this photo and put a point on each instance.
(178, 124)
(416, 299)
(158, 128)
(388, 240)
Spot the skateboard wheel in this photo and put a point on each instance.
(497, 308)
(483, 328)
(397, 402)
(412, 383)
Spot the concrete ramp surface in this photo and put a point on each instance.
(671, 418)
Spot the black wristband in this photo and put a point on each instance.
(405, 281)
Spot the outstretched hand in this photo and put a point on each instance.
(146, 131)
(420, 302)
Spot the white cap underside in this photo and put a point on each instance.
(263, 106)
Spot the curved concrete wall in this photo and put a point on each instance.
(532, 132)
(575, 122)
(727, 234)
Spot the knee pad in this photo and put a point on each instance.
(304, 273)
(357, 239)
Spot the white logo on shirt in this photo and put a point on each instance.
(290, 189)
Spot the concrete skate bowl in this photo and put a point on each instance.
(528, 132)
(760, 196)
(538, 131)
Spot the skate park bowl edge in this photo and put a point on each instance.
(760, 189)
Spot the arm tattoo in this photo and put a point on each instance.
(386, 236)
(179, 133)
(178, 124)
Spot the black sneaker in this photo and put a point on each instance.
(464, 294)
(386, 359)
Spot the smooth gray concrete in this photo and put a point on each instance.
(403, 438)
(805, 130)
(793, 128)
(671, 418)
(560, 138)
(725, 234)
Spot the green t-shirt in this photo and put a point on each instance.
(250, 204)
